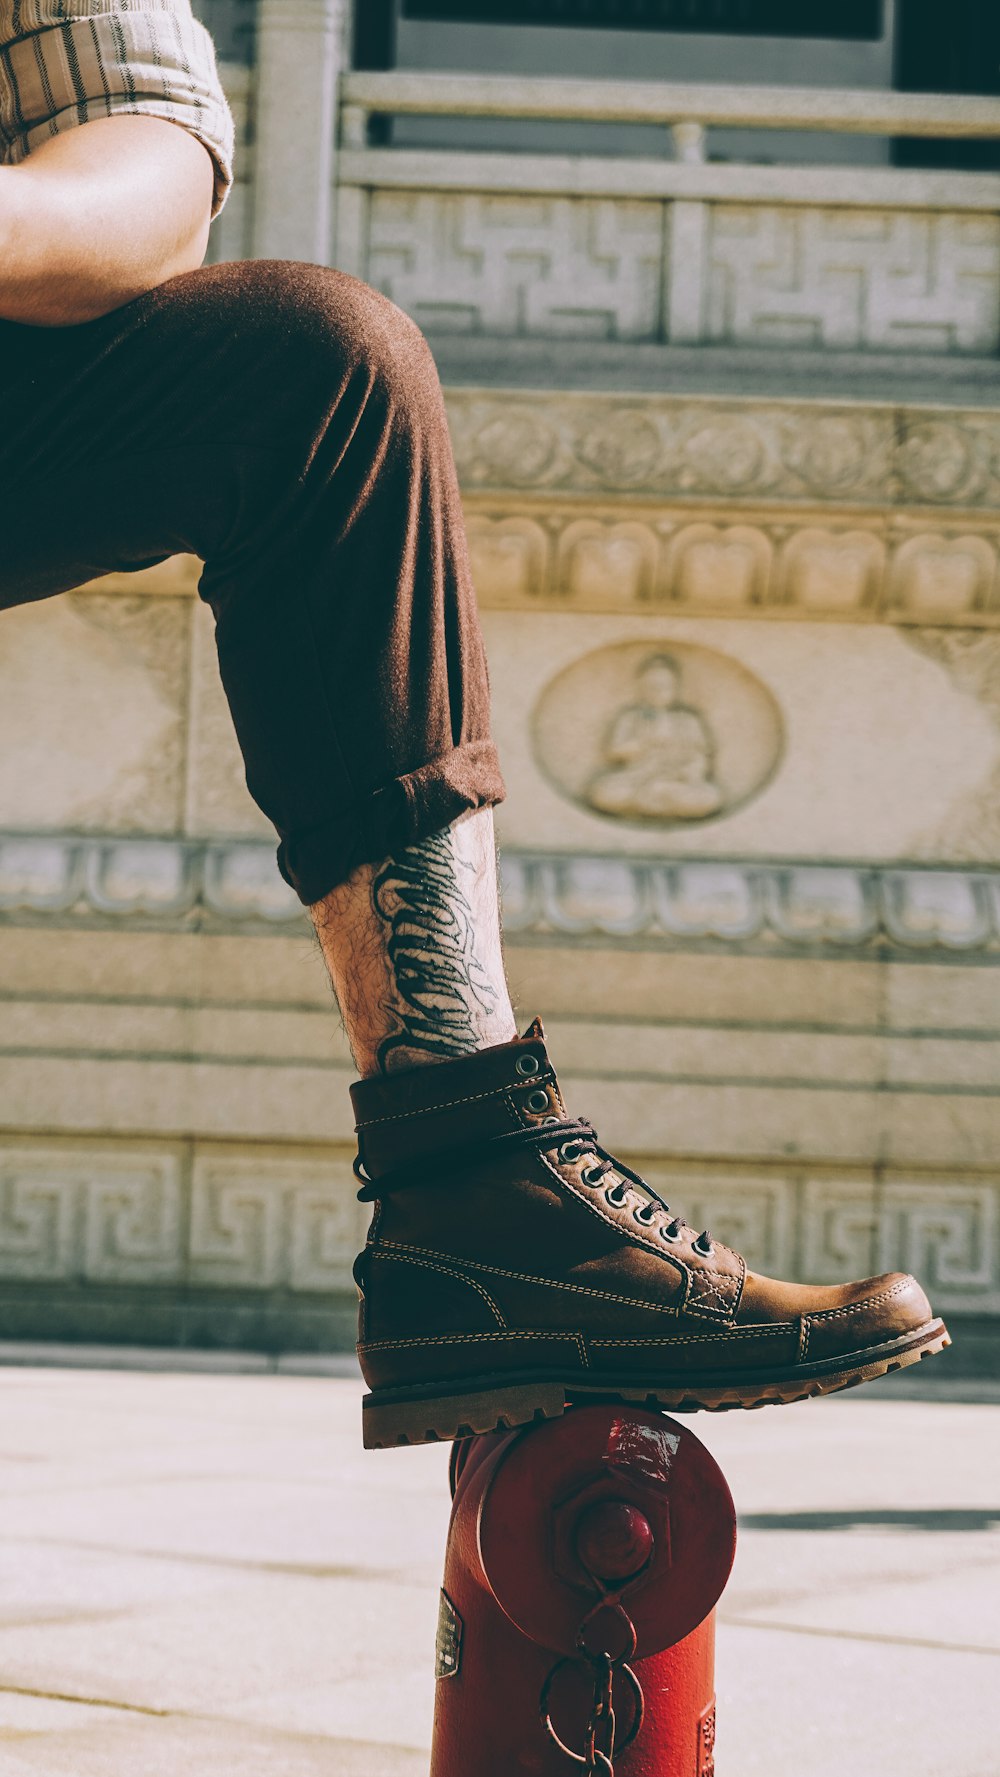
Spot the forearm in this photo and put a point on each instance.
(98, 216)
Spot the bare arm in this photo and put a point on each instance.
(99, 215)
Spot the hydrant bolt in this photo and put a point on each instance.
(614, 1540)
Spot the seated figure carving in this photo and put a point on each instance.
(659, 753)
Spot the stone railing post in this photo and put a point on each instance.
(302, 51)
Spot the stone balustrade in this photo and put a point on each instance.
(678, 248)
(863, 112)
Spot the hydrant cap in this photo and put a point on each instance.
(581, 1495)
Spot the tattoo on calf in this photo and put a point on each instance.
(442, 989)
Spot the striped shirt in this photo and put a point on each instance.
(64, 62)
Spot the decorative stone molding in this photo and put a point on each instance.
(163, 881)
(738, 450)
(508, 266)
(110, 1214)
(788, 906)
(785, 906)
(703, 562)
(552, 261)
(788, 275)
(269, 1224)
(113, 1214)
(285, 1225)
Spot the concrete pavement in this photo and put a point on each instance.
(205, 1573)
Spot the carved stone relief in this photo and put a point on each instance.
(622, 558)
(820, 276)
(971, 830)
(904, 280)
(672, 447)
(473, 262)
(662, 736)
(98, 1216)
(112, 1215)
(788, 906)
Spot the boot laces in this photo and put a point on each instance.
(574, 1139)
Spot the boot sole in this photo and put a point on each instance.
(395, 1417)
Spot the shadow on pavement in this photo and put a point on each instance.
(932, 1518)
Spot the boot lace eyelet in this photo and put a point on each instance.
(537, 1101)
(570, 1151)
(592, 1175)
(703, 1246)
(666, 1234)
(526, 1064)
(644, 1216)
(615, 1195)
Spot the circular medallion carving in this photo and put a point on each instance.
(657, 735)
(728, 454)
(516, 447)
(936, 459)
(623, 451)
(830, 454)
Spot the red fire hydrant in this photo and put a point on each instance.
(577, 1630)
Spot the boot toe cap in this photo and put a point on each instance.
(873, 1312)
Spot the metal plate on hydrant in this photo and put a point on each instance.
(448, 1646)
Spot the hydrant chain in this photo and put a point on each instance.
(602, 1719)
(597, 1759)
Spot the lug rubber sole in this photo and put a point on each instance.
(395, 1417)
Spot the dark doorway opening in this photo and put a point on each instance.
(947, 49)
(749, 18)
(374, 34)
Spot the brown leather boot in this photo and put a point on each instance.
(514, 1267)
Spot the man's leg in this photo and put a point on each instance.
(413, 949)
(287, 424)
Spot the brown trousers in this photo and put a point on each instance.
(285, 423)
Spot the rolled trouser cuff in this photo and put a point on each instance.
(400, 813)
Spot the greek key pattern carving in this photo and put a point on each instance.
(835, 908)
(261, 1224)
(110, 1216)
(520, 265)
(945, 1231)
(113, 1216)
(94, 1217)
(775, 275)
(705, 561)
(896, 280)
(672, 448)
